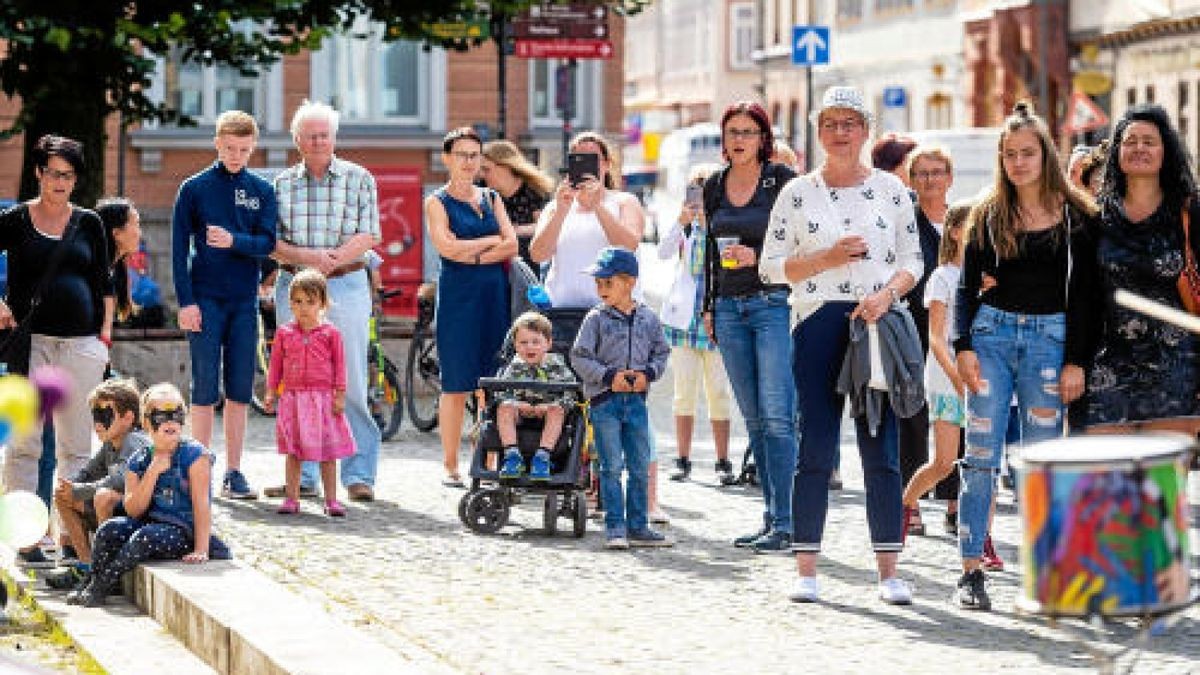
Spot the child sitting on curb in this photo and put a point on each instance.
(531, 335)
(168, 497)
(94, 493)
(619, 351)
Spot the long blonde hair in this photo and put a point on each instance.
(508, 155)
(997, 213)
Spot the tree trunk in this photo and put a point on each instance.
(71, 103)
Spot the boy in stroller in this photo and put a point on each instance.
(531, 336)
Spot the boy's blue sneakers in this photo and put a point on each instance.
(539, 467)
(648, 538)
(514, 464)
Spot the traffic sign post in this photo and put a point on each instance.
(1083, 115)
(577, 30)
(895, 97)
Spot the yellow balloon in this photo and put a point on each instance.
(23, 519)
(18, 404)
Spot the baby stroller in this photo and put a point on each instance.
(486, 506)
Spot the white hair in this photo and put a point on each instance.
(310, 110)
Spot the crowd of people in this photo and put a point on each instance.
(794, 292)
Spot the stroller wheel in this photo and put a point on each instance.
(462, 506)
(550, 514)
(579, 510)
(486, 511)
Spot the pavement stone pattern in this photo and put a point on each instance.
(405, 570)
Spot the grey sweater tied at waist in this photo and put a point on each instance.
(903, 367)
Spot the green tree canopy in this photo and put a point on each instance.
(72, 63)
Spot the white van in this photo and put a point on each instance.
(680, 151)
(974, 151)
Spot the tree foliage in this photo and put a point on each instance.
(72, 63)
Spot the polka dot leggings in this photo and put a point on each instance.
(123, 543)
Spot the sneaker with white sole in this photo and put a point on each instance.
(895, 591)
(235, 486)
(805, 590)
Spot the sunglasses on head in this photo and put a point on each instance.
(162, 415)
(104, 415)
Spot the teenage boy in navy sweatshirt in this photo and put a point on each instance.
(224, 223)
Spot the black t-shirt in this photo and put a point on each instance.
(72, 303)
(522, 208)
(749, 224)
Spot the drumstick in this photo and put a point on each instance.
(1157, 310)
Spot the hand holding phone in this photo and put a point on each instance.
(581, 165)
(695, 196)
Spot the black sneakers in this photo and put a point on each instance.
(68, 578)
(725, 475)
(972, 591)
(773, 542)
(683, 469)
(34, 558)
(745, 540)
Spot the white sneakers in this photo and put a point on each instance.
(893, 591)
(805, 590)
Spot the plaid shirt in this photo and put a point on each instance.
(325, 212)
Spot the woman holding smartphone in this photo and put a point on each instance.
(748, 317)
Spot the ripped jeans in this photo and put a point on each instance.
(1018, 353)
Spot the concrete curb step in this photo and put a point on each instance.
(238, 620)
(117, 638)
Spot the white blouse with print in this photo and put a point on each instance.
(809, 217)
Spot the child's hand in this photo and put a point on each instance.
(196, 557)
(269, 402)
(160, 463)
(62, 488)
(620, 385)
(339, 403)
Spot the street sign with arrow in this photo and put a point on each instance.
(810, 45)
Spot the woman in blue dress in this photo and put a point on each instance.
(471, 232)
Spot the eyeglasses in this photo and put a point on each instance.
(59, 175)
(742, 134)
(467, 156)
(104, 416)
(840, 125)
(161, 416)
(930, 175)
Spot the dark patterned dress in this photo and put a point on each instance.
(522, 209)
(1145, 369)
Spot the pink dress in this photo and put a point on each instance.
(307, 367)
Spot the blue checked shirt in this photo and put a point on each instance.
(325, 212)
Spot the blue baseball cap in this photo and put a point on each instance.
(614, 260)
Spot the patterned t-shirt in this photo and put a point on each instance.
(552, 369)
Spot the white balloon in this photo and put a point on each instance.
(23, 519)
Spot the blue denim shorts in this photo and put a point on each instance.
(226, 346)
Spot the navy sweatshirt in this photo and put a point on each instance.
(242, 203)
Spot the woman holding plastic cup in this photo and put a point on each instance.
(749, 318)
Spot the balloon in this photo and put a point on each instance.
(18, 404)
(53, 384)
(23, 519)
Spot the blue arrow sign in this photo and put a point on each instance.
(810, 45)
(895, 97)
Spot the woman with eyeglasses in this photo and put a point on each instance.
(1145, 373)
(60, 301)
(471, 231)
(748, 317)
(845, 238)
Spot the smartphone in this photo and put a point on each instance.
(695, 195)
(580, 164)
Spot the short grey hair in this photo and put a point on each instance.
(310, 110)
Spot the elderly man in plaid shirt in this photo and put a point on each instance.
(328, 219)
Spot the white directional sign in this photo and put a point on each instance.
(810, 45)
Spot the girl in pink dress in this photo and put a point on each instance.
(308, 373)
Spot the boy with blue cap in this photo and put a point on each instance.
(618, 352)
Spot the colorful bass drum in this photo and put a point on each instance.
(1105, 523)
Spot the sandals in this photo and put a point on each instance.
(289, 507)
(453, 481)
(334, 509)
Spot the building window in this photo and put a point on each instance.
(1131, 97)
(203, 92)
(1149, 93)
(369, 80)
(890, 6)
(849, 10)
(543, 93)
(939, 112)
(741, 36)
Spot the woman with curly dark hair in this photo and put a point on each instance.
(1145, 371)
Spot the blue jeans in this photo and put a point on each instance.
(46, 464)
(819, 348)
(349, 310)
(225, 345)
(622, 431)
(753, 336)
(1020, 353)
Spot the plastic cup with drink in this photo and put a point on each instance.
(723, 246)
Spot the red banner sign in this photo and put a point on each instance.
(400, 225)
(564, 49)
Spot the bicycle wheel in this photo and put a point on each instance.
(261, 361)
(423, 380)
(384, 397)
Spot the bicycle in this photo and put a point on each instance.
(423, 371)
(385, 399)
(262, 361)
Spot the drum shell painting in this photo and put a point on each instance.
(1107, 539)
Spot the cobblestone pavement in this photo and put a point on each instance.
(406, 570)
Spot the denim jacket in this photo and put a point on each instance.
(172, 498)
(610, 341)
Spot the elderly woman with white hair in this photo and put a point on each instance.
(845, 238)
